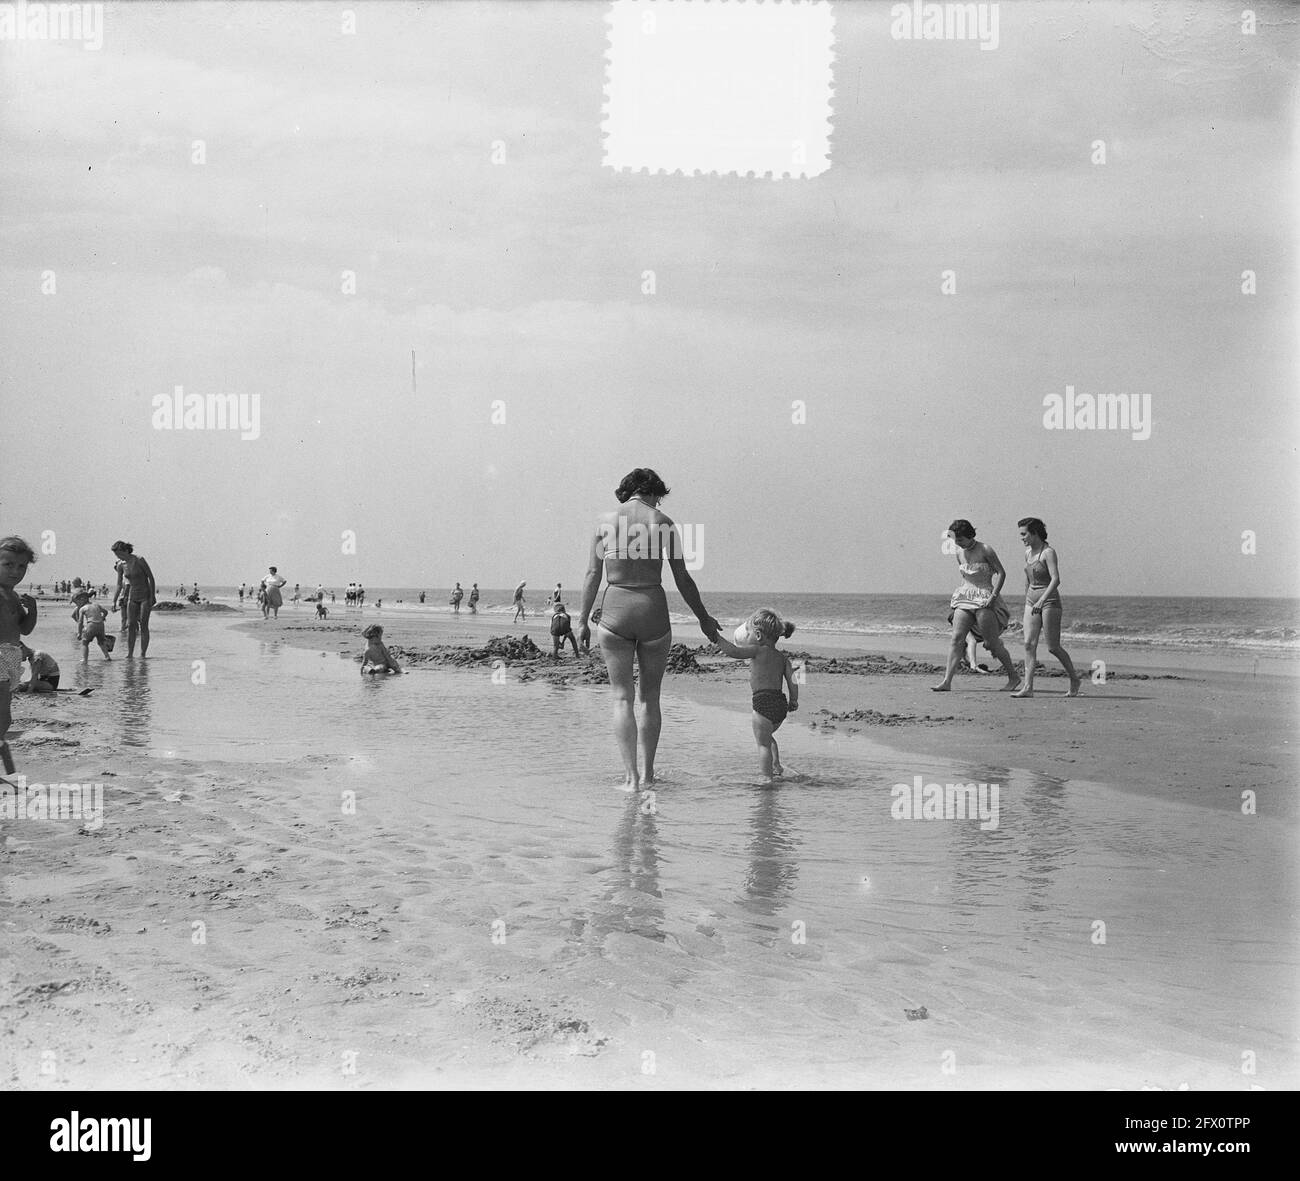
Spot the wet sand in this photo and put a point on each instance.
(486, 909)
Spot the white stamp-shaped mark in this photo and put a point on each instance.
(734, 87)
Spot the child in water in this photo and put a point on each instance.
(378, 659)
(768, 670)
(90, 617)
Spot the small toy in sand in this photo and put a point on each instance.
(920, 1014)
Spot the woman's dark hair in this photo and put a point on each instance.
(126, 545)
(641, 481)
(1034, 525)
(961, 528)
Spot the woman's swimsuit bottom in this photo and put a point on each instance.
(638, 614)
(770, 703)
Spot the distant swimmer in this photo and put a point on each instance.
(141, 593)
(519, 603)
(473, 599)
(556, 596)
(1042, 605)
(378, 659)
(769, 668)
(456, 597)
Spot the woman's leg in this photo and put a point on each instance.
(145, 609)
(1033, 626)
(1052, 618)
(988, 625)
(133, 625)
(620, 654)
(653, 658)
(962, 621)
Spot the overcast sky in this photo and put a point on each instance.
(521, 282)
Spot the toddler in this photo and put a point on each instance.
(378, 659)
(769, 668)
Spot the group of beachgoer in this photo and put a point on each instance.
(457, 595)
(977, 608)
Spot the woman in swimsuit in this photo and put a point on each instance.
(1042, 604)
(141, 594)
(630, 545)
(976, 603)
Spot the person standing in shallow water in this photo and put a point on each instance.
(629, 546)
(141, 594)
(273, 600)
(977, 603)
(1042, 605)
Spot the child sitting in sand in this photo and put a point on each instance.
(378, 659)
(766, 673)
(45, 672)
(561, 630)
(322, 612)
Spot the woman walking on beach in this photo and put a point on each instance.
(630, 545)
(519, 603)
(140, 597)
(976, 604)
(1042, 604)
(274, 600)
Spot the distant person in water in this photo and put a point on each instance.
(519, 603)
(977, 603)
(241, 594)
(473, 599)
(274, 600)
(378, 659)
(141, 593)
(561, 630)
(45, 672)
(17, 619)
(556, 596)
(767, 671)
(1042, 605)
(422, 598)
(456, 597)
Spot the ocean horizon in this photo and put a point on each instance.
(1260, 625)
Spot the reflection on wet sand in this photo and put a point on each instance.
(135, 708)
(772, 870)
(633, 903)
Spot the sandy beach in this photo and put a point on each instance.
(307, 878)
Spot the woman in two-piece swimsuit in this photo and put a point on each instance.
(141, 594)
(1042, 604)
(629, 546)
(974, 604)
